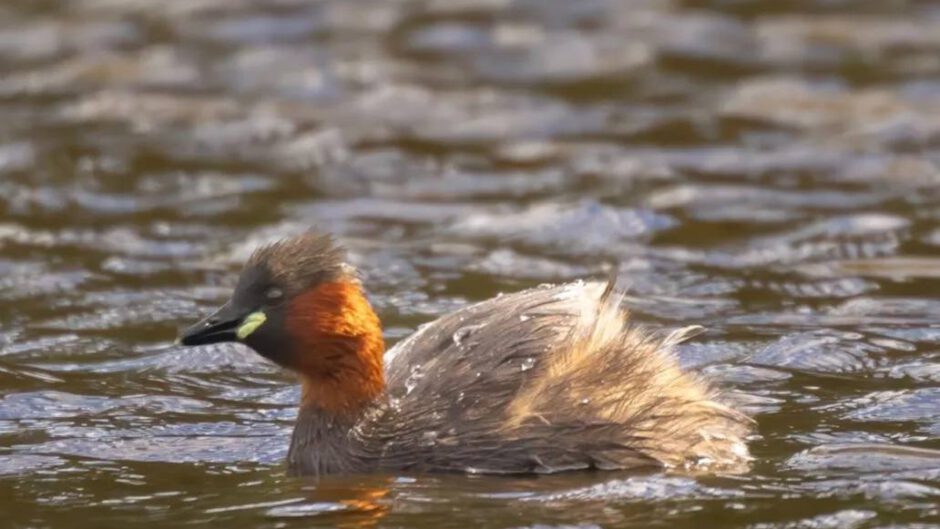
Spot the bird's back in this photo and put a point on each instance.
(544, 380)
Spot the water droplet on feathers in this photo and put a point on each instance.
(417, 373)
(463, 333)
(429, 438)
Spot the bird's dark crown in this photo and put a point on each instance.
(294, 265)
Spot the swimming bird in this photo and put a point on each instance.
(549, 379)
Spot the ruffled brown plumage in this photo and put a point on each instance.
(549, 379)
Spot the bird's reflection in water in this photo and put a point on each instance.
(341, 501)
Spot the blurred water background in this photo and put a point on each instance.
(765, 168)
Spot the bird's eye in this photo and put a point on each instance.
(273, 294)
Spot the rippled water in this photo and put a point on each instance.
(767, 169)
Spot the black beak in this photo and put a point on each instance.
(220, 326)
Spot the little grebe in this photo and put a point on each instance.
(544, 380)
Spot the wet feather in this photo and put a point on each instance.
(545, 380)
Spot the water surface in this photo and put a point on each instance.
(767, 169)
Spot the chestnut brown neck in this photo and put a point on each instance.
(338, 348)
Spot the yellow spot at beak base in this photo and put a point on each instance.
(250, 323)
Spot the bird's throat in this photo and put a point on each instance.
(338, 348)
